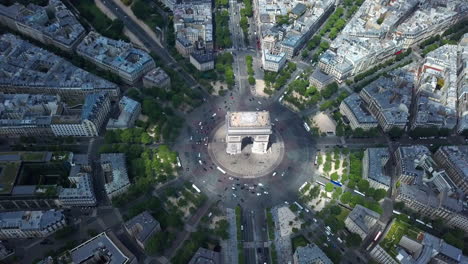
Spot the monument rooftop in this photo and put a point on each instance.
(249, 119)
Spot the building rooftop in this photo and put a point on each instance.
(458, 156)
(193, 23)
(143, 226)
(249, 119)
(25, 65)
(54, 20)
(363, 217)
(116, 54)
(311, 254)
(273, 57)
(205, 256)
(103, 247)
(410, 157)
(157, 75)
(118, 177)
(356, 105)
(128, 107)
(30, 220)
(378, 157)
(203, 58)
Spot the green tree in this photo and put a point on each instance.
(353, 240)
(379, 194)
(329, 187)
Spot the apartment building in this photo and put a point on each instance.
(85, 122)
(116, 56)
(407, 160)
(454, 160)
(115, 171)
(272, 61)
(361, 221)
(310, 254)
(28, 69)
(129, 112)
(202, 62)
(157, 78)
(142, 227)
(52, 24)
(373, 170)
(388, 99)
(29, 224)
(355, 111)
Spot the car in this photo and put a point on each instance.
(274, 174)
(315, 220)
(235, 196)
(265, 192)
(199, 161)
(286, 202)
(307, 210)
(282, 174)
(258, 194)
(260, 184)
(231, 178)
(234, 188)
(276, 119)
(259, 102)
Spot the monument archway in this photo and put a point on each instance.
(241, 125)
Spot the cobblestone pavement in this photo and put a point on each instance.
(230, 245)
(247, 164)
(283, 244)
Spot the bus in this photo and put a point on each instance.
(377, 236)
(396, 212)
(178, 162)
(306, 126)
(303, 185)
(196, 188)
(360, 193)
(421, 222)
(298, 205)
(320, 183)
(337, 183)
(316, 159)
(221, 170)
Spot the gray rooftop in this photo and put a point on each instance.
(143, 226)
(205, 256)
(54, 20)
(30, 220)
(377, 159)
(99, 247)
(25, 65)
(157, 75)
(458, 156)
(311, 254)
(410, 155)
(363, 217)
(357, 107)
(118, 171)
(116, 54)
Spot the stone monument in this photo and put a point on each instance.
(240, 125)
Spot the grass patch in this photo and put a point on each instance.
(8, 173)
(32, 156)
(394, 235)
(271, 225)
(299, 241)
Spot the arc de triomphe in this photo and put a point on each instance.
(240, 125)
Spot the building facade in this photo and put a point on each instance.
(28, 224)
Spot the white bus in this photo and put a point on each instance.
(196, 188)
(320, 183)
(281, 98)
(298, 205)
(316, 159)
(306, 126)
(421, 222)
(396, 212)
(221, 170)
(360, 193)
(303, 185)
(178, 162)
(377, 236)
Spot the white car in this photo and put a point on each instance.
(260, 184)
(199, 161)
(258, 194)
(259, 102)
(286, 202)
(231, 178)
(315, 220)
(274, 174)
(213, 115)
(282, 174)
(200, 123)
(307, 210)
(265, 192)
(199, 154)
(235, 196)
(276, 119)
(234, 188)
